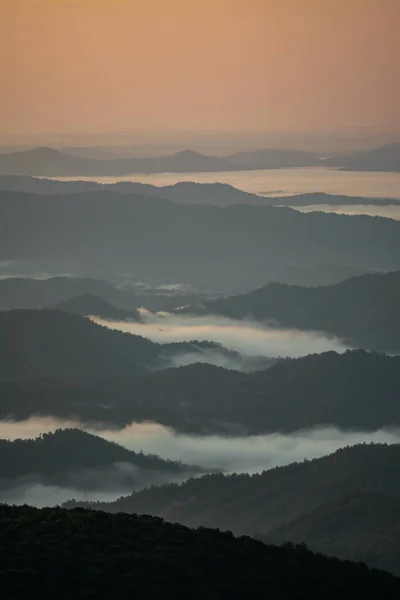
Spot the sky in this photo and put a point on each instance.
(196, 65)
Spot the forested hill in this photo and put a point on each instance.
(211, 247)
(364, 310)
(53, 343)
(354, 390)
(67, 450)
(55, 553)
(260, 503)
(364, 526)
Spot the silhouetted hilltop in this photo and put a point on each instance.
(55, 455)
(385, 158)
(364, 310)
(50, 162)
(80, 554)
(238, 245)
(354, 390)
(363, 527)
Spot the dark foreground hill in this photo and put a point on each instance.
(84, 554)
(354, 390)
(364, 310)
(345, 504)
(239, 246)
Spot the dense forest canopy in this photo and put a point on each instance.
(84, 554)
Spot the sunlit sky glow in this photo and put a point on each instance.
(119, 65)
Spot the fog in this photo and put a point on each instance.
(250, 454)
(390, 211)
(105, 483)
(281, 182)
(248, 337)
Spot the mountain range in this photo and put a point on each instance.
(46, 161)
(183, 192)
(241, 246)
(55, 364)
(53, 343)
(325, 502)
(364, 310)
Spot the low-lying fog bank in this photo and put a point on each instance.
(247, 337)
(373, 210)
(249, 454)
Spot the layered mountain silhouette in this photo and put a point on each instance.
(50, 162)
(354, 390)
(241, 246)
(183, 192)
(44, 161)
(323, 493)
(74, 458)
(385, 158)
(364, 526)
(364, 310)
(52, 343)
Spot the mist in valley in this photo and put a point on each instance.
(249, 338)
(228, 454)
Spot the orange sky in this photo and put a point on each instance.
(123, 65)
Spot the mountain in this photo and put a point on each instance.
(238, 246)
(17, 292)
(260, 504)
(385, 158)
(183, 192)
(89, 305)
(30, 293)
(81, 554)
(364, 310)
(317, 275)
(53, 163)
(363, 527)
(320, 198)
(354, 390)
(74, 458)
(49, 162)
(273, 158)
(51, 343)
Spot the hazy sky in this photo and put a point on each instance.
(123, 65)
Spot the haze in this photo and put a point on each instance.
(115, 65)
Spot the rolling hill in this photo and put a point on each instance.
(83, 554)
(354, 390)
(364, 310)
(74, 458)
(282, 502)
(52, 343)
(238, 246)
(363, 527)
